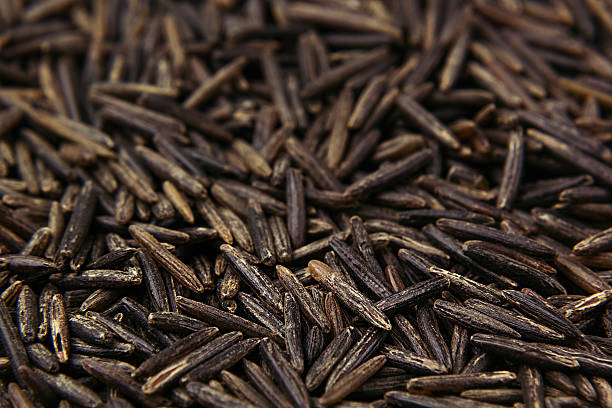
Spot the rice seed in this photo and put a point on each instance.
(468, 287)
(69, 389)
(366, 102)
(365, 245)
(172, 370)
(339, 134)
(523, 325)
(459, 347)
(339, 18)
(25, 166)
(594, 243)
(273, 76)
(495, 395)
(602, 386)
(532, 386)
(458, 382)
(518, 271)
(246, 192)
(296, 207)
(584, 387)
(119, 350)
(449, 244)
(334, 262)
(475, 231)
(579, 309)
(208, 212)
(87, 329)
(513, 170)
(293, 333)
(532, 353)
(352, 298)
(336, 75)
(352, 380)
(229, 285)
(223, 320)
(592, 166)
(312, 311)
(484, 77)
(124, 333)
(256, 309)
(211, 86)
(529, 303)
(261, 233)
(285, 374)
(560, 381)
(153, 280)
(387, 174)
(98, 300)
(179, 201)
(479, 363)
(207, 395)
(202, 269)
(175, 350)
(243, 389)
(40, 356)
(166, 169)
(252, 158)
(225, 360)
(175, 322)
(293, 93)
(78, 225)
(426, 121)
(37, 243)
(279, 170)
(394, 279)
(540, 265)
(265, 384)
(44, 308)
(108, 373)
(360, 268)
(138, 314)
(27, 265)
(166, 259)
(410, 336)
(413, 363)
(47, 153)
(191, 117)
(432, 336)
(59, 328)
(112, 259)
(358, 353)
(358, 153)
(334, 311)
(272, 146)
(580, 275)
(309, 164)
(10, 294)
(559, 227)
(467, 317)
(11, 341)
(237, 228)
(413, 295)
(584, 194)
(329, 357)
(134, 182)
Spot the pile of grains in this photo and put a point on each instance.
(377, 203)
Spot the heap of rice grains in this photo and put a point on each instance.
(300, 204)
